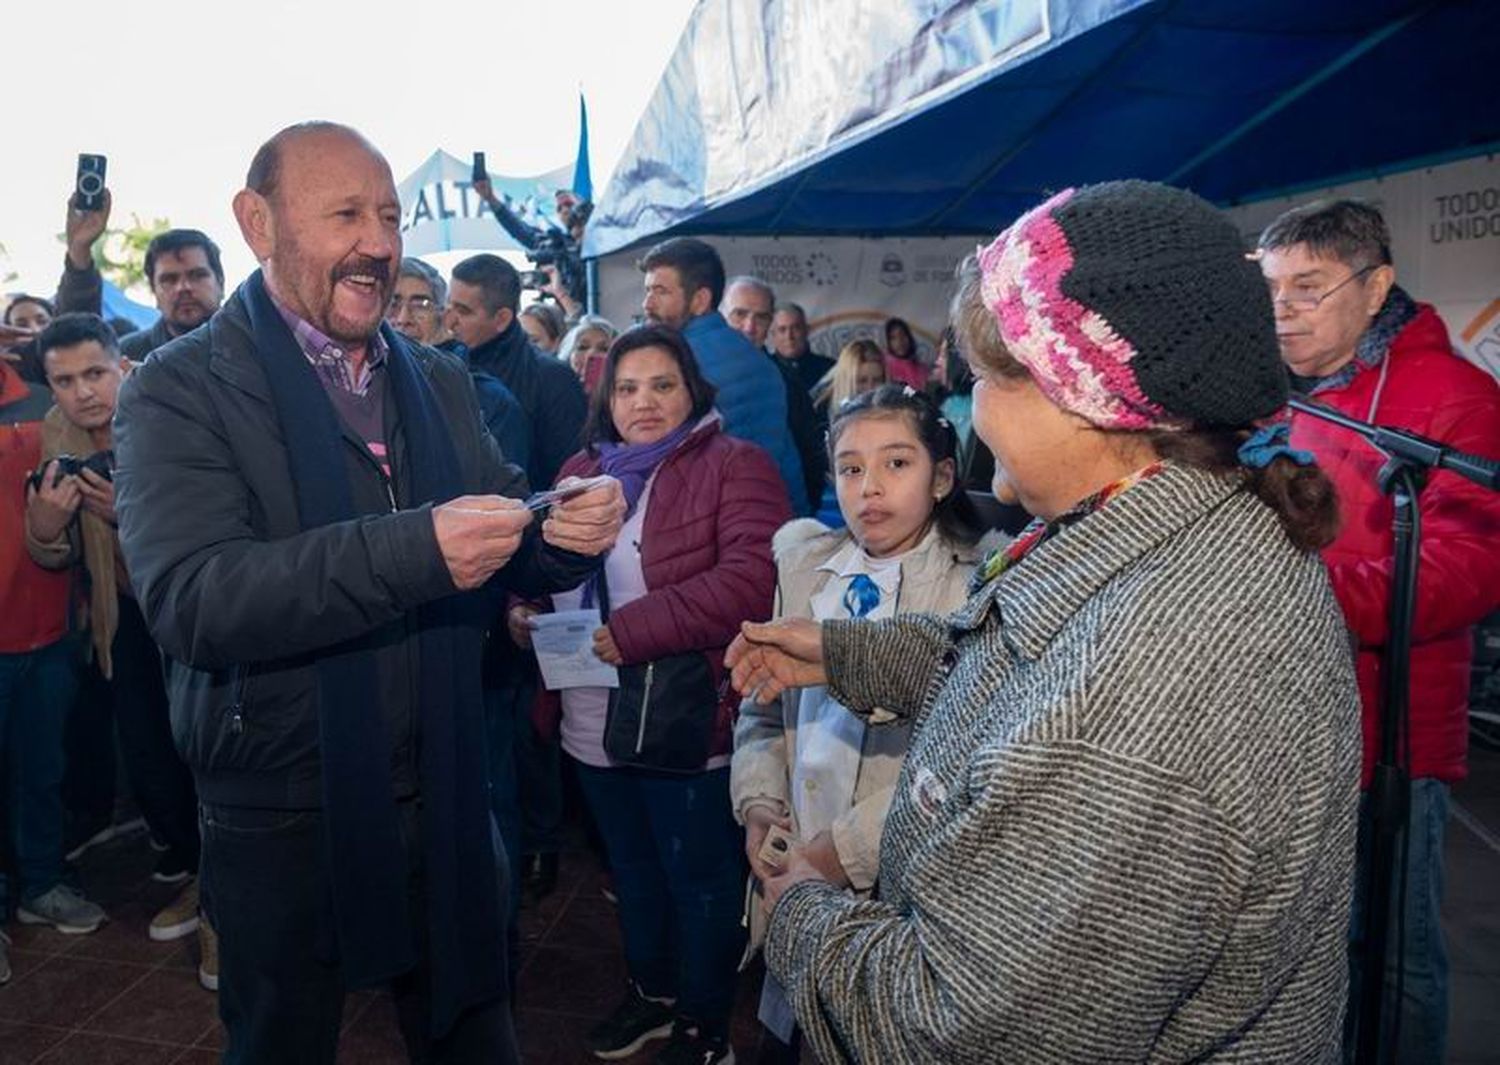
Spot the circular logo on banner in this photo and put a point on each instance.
(892, 271)
(821, 269)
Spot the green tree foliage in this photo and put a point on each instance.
(121, 255)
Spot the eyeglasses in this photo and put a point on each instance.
(415, 304)
(1312, 303)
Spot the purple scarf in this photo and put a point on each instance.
(633, 464)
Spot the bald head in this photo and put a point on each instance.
(264, 175)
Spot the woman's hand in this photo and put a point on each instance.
(768, 659)
(824, 857)
(518, 621)
(798, 868)
(606, 648)
(758, 821)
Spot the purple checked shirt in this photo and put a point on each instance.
(331, 361)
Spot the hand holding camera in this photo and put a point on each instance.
(98, 494)
(83, 228)
(53, 496)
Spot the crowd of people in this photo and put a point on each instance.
(1087, 789)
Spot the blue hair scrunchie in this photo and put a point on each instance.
(1271, 442)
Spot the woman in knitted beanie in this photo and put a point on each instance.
(1124, 829)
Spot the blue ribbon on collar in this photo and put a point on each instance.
(1271, 442)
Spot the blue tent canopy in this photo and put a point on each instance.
(953, 117)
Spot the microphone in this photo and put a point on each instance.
(1409, 447)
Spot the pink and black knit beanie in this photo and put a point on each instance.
(1132, 304)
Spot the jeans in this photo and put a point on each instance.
(1423, 1010)
(36, 690)
(265, 888)
(163, 785)
(677, 859)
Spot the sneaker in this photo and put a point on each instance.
(64, 909)
(538, 876)
(171, 869)
(177, 918)
(635, 1022)
(104, 835)
(208, 956)
(690, 1046)
(4, 958)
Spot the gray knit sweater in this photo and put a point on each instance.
(1124, 830)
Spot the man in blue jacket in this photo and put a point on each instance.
(684, 286)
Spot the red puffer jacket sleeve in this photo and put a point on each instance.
(705, 551)
(1459, 574)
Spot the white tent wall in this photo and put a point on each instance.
(1445, 240)
(848, 286)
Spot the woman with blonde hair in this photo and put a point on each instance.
(860, 368)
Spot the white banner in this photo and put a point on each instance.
(848, 286)
(1445, 240)
(440, 211)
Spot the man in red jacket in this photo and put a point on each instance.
(1355, 341)
(36, 684)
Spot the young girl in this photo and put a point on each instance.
(803, 762)
(902, 364)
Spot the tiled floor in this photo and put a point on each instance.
(116, 998)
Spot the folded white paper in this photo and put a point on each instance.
(564, 643)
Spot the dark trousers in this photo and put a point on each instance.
(677, 859)
(163, 785)
(36, 690)
(265, 888)
(89, 779)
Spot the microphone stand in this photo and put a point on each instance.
(1409, 457)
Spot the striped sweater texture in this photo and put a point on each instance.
(1125, 827)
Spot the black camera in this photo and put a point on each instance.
(101, 462)
(556, 249)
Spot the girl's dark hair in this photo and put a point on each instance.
(911, 340)
(600, 426)
(956, 518)
(1303, 497)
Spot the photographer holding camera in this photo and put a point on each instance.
(556, 253)
(70, 521)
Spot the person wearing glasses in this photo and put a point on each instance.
(1354, 340)
(416, 312)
